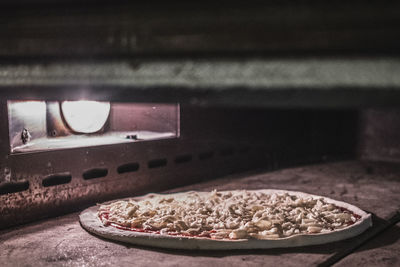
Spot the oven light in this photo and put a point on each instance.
(85, 116)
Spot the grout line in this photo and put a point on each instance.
(361, 241)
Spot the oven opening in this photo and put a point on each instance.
(51, 125)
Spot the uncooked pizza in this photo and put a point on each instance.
(240, 219)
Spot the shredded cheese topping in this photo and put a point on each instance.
(230, 214)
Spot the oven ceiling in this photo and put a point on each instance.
(120, 28)
(275, 54)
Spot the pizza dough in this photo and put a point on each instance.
(240, 219)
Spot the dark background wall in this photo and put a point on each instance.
(380, 134)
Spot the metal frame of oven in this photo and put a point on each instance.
(212, 142)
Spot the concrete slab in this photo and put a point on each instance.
(378, 252)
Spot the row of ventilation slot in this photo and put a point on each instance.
(64, 178)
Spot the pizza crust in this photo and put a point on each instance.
(90, 221)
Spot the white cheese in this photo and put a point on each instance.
(234, 214)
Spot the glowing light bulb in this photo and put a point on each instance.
(85, 116)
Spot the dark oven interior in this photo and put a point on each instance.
(191, 96)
